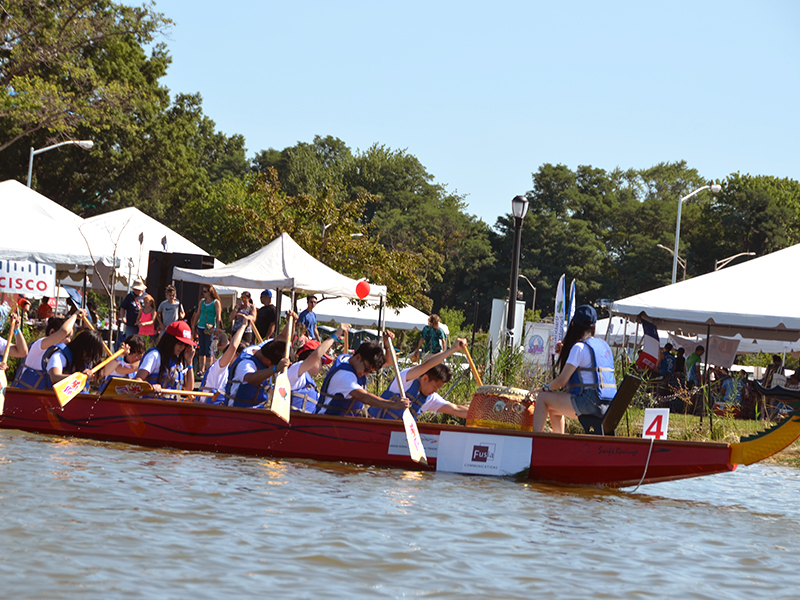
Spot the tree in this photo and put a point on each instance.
(55, 74)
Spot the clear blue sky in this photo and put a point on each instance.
(483, 93)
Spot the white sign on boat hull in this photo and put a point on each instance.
(483, 454)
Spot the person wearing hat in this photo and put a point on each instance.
(587, 371)
(129, 310)
(311, 357)
(168, 366)
(266, 316)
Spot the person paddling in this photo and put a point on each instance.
(80, 355)
(216, 377)
(421, 384)
(587, 367)
(32, 374)
(311, 357)
(168, 366)
(19, 347)
(343, 390)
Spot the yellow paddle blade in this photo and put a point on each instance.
(120, 386)
(414, 439)
(69, 387)
(281, 404)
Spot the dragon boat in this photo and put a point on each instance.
(582, 459)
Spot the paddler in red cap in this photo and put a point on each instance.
(168, 366)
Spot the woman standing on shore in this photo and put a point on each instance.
(587, 367)
(205, 322)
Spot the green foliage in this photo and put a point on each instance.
(454, 319)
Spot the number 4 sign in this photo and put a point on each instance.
(656, 423)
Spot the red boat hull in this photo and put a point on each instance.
(572, 459)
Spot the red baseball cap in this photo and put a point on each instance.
(309, 347)
(181, 332)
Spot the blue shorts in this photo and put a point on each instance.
(204, 347)
(588, 403)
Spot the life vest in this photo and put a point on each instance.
(174, 375)
(221, 398)
(247, 394)
(107, 380)
(602, 368)
(33, 379)
(62, 348)
(338, 404)
(414, 396)
(306, 397)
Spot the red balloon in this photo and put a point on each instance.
(362, 289)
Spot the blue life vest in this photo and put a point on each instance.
(305, 397)
(602, 368)
(37, 379)
(174, 375)
(412, 393)
(107, 380)
(338, 404)
(221, 398)
(49, 353)
(247, 394)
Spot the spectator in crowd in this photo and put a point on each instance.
(244, 308)
(266, 316)
(432, 340)
(693, 373)
(129, 310)
(205, 322)
(308, 319)
(169, 311)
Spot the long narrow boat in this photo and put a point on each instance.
(572, 459)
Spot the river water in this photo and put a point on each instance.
(92, 520)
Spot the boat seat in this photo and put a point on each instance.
(607, 425)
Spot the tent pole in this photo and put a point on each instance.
(610, 320)
(278, 301)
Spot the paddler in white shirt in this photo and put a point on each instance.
(19, 347)
(421, 384)
(311, 356)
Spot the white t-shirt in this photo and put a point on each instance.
(299, 382)
(580, 356)
(433, 404)
(242, 369)
(35, 355)
(343, 382)
(57, 360)
(151, 362)
(3, 344)
(216, 378)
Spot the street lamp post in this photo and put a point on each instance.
(85, 144)
(533, 287)
(715, 189)
(519, 206)
(724, 262)
(681, 261)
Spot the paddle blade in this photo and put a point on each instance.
(282, 397)
(69, 387)
(414, 439)
(3, 386)
(119, 386)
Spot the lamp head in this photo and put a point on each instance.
(86, 144)
(519, 206)
(716, 188)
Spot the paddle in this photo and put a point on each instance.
(415, 447)
(120, 386)
(259, 339)
(91, 328)
(3, 378)
(71, 386)
(475, 373)
(281, 403)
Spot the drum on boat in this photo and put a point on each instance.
(499, 407)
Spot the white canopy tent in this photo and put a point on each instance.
(341, 310)
(122, 228)
(756, 299)
(282, 264)
(42, 230)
